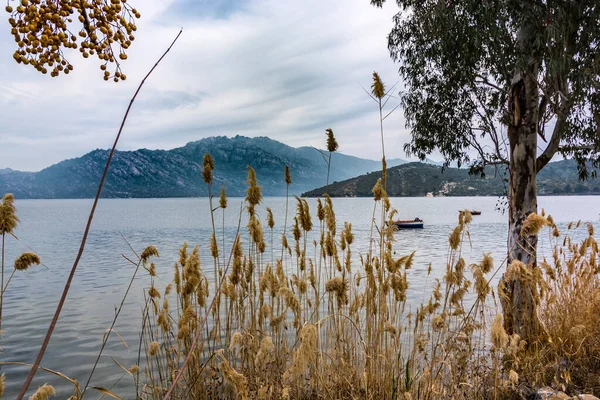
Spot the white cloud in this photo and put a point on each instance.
(287, 70)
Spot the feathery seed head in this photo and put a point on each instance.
(288, 176)
(270, 219)
(487, 263)
(332, 144)
(134, 369)
(8, 216)
(254, 192)
(238, 382)
(377, 88)
(148, 252)
(454, 238)
(223, 199)
(208, 164)
(214, 247)
(533, 224)
(378, 190)
(499, 336)
(153, 292)
(320, 210)
(154, 348)
(26, 260)
(43, 393)
(438, 323)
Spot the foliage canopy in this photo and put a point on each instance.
(459, 59)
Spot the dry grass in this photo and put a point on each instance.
(570, 311)
(312, 324)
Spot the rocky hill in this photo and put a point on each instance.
(419, 179)
(177, 172)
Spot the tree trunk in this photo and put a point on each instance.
(517, 293)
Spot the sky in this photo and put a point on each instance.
(283, 69)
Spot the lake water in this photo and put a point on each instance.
(53, 228)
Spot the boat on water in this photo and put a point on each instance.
(473, 212)
(416, 223)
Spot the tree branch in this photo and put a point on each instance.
(553, 145)
(557, 133)
(589, 147)
(490, 84)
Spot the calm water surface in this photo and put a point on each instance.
(53, 228)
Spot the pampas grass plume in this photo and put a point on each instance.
(43, 393)
(148, 252)
(288, 176)
(223, 199)
(332, 144)
(377, 88)
(154, 348)
(209, 165)
(8, 215)
(26, 260)
(498, 335)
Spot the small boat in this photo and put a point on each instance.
(473, 212)
(416, 223)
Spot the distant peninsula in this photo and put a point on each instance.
(420, 179)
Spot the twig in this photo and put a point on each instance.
(85, 234)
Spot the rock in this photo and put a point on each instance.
(547, 393)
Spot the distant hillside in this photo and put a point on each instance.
(418, 179)
(177, 172)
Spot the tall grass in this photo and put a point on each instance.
(317, 325)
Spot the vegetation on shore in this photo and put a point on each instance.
(419, 179)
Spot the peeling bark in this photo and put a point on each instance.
(519, 296)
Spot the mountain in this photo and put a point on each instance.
(177, 172)
(419, 179)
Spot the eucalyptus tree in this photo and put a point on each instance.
(514, 82)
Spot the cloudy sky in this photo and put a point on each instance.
(283, 69)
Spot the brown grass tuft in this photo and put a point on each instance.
(377, 88)
(8, 214)
(26, 260)
(148, 252)
(332, 144)
(43, 393)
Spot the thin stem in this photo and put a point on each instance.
(287, 192)
(2, 285)
(8, 281)
(328, 168)
(112, 325)
(63, 298)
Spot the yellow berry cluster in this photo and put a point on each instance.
(44, 28)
